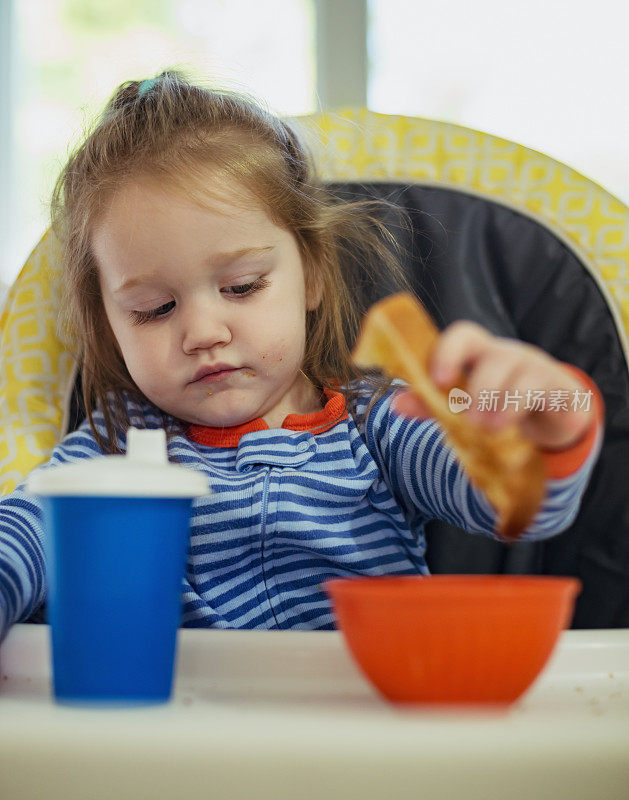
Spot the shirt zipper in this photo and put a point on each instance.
(265, 500)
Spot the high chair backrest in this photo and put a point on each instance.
(531, 249)
(500, 234)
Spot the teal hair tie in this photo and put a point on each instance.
(146, 86)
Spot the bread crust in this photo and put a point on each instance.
(399, 337)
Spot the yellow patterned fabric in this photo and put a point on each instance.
(37, 372)
(362, 145)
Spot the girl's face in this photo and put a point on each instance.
(207, 305)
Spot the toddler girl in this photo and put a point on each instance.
(205, 295)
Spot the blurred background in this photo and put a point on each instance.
(549, 74)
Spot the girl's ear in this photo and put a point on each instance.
(314, 291)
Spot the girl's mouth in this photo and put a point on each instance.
(215, 377)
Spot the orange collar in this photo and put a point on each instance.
(334, 411)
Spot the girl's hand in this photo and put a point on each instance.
(506, 380)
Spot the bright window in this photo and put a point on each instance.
(70, 55)
(549, 74)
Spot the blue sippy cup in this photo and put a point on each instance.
(117, 532)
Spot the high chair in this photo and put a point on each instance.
(502, 235)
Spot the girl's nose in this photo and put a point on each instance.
(204, 327)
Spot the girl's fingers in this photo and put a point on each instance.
(506, 380)
(491, 386)
(558, 426)
(458, 348)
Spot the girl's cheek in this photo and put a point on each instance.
(270, 358)
(276, 354)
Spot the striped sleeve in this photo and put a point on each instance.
(22, 568)
(425, 475)
(22, 573)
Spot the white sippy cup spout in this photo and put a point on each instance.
(147, 446)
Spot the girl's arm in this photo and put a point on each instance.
(22, 571)
(22, 566)
(427, 478)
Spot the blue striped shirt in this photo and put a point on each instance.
(289, 510)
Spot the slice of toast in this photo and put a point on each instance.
(398, 337)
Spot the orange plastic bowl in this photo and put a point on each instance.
(453, 638)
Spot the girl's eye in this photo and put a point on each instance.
(146, 316)
(244, 289)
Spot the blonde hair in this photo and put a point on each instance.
(173, 130)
